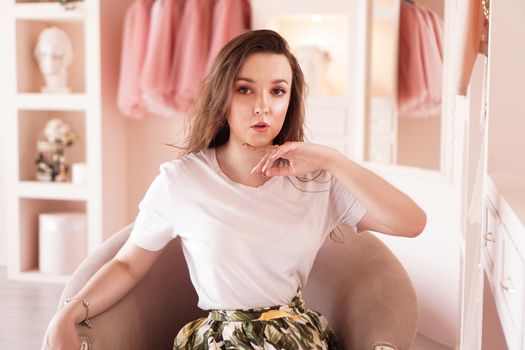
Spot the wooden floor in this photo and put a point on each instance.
(25, 311)
(26, 308)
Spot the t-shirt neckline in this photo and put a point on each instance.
(215, 163)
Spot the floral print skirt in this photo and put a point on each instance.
(290, 327)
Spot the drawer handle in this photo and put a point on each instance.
(489, 237)
(506, 284)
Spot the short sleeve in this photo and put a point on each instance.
(346, 208)
(153, 227)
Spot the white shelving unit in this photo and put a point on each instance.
(381, 126)
(91, 110)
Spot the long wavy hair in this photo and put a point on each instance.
(208, 117)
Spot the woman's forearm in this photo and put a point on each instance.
(107, 286)
(391, 207)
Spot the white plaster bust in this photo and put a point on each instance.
(314, 61)
(54, 53)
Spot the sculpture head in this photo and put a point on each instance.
(53, 51)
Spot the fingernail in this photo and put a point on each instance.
(253, 170)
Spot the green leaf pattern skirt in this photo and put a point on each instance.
(289, 327)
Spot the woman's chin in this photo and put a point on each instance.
(258, 143)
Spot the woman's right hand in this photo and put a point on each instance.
(61, 333)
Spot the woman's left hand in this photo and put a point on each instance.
(303, 158)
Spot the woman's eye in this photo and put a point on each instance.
(244, 90)
(279, 92)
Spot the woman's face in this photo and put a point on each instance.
(260, 98)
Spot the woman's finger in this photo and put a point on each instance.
(279, 171)
(270, 159)
(257, 168)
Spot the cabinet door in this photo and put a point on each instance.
(509, 288)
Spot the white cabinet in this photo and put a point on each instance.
(89, 108)
(503, 256)
(502, 231)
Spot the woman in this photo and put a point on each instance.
(252, 204)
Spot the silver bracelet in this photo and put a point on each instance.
(86, 321)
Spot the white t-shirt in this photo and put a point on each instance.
(246, 247)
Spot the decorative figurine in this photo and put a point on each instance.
(51, 164)
(54, 53)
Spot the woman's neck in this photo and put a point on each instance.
(236, 162)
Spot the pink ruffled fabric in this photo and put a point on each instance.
(167, 48)
(134, 45)
(155, 80)
(230, 18)
(191, 52)
(411, 79)
(420, 62)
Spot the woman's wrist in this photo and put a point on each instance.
(74, 311)
(333, 159)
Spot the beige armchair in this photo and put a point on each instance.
(359, 285)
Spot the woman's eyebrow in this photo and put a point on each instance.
(276, 81)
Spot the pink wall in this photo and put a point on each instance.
(145, 152)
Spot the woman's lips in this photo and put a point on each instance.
(260, 127)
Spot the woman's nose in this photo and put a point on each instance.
(261, 106)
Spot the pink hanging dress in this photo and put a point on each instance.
(433, 67)
(230, 18)
(412, 88)
(134, 44)
(155, 76)
(191, 52)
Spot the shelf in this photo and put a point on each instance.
(37, 276)
(28, 74)
(31, 125)
(51, 11)
(59, 102)
(52, 190)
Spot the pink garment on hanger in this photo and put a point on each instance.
(433, 64)
(134, 44)
(155, 76)
(191, 52)
(412, 90)
(230, 18)
(426, 101)
(437, 25)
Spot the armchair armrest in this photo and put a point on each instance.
(150, 315)
(371, 301)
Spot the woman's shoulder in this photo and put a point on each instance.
(188, 163)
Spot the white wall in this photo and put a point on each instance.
(432, 259)
(3, 233)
